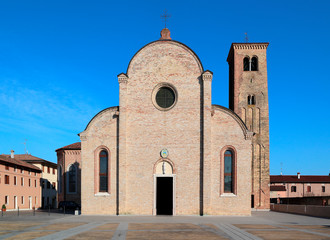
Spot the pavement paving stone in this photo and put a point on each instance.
(60, 226)
(120, 233)
(107, 226)
(308, 226)
(235, 232)
(162, 226)
(175, 235)
(92, 235)
(29, 235)
(17, 226)
(287, 235)
(256, 226)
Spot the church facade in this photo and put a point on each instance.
(166, 150)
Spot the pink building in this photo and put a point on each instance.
(300, 189)
(19, 183)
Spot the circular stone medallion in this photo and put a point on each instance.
(164, 153)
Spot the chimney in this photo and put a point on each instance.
(12, 153)
(298, 175)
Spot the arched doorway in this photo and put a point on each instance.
(164, 189)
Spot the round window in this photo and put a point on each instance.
(164, 96)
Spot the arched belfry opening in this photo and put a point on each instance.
(164, 186)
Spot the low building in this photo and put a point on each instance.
(48, 179)
(300, 189)
(69, 173)
(19, 183)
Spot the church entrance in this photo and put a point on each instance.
(164, 195)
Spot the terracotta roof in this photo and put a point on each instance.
(277, 188)
(16, 161)
(73, 146)
(30, 159)
(303, 179)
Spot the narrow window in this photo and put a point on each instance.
(253, 100)
(53, 185)
(22, 181)
(7, 167)
(35, 183)
(254, 64)
(22, 200)
(29, 182)
(323, 188)
(249, 100)
(72, 179)
(54, 171)
(6, 179)
(309, 188)
(15, 180)
(48, 170)
(228, 172)
(6, 200)
(15, 169)
(293, 189)
(246, 64)
(103, 171)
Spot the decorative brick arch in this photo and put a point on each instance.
(222, 161)
(97, 168)
(165, 160)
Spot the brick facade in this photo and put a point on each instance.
(243, 84)
(193, 131)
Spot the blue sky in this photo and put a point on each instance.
(59, 61)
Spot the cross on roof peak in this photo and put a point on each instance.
(165, 16)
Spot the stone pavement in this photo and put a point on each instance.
(261, 225)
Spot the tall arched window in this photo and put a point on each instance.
(228, 172)
(246, 64)
(254, 64)
(103, 172)
(72, 179)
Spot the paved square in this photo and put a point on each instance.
(261, 225)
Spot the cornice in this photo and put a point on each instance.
(250, 45)
(207, 75)
(239, 46)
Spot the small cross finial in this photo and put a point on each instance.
(246, 37)
(165, 16)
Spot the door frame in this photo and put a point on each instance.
(173, 176)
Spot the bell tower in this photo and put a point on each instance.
(248, 98)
